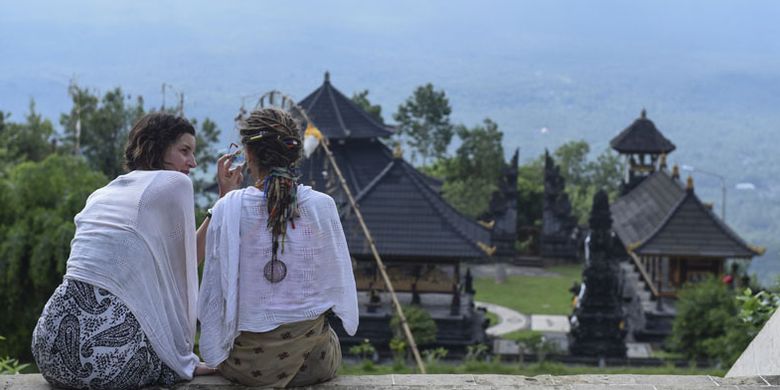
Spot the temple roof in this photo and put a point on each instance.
(661, 218)
(405, 214)
(642, 137)
(408, 219)
(338, 117)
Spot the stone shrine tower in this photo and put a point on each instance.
(597, 322)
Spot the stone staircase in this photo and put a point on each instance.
(648, 319)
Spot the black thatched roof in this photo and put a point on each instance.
(642, 137)
(661, 218)
(338, 117)
(407, 217)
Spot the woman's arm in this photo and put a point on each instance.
(227, 181)
(201, 239)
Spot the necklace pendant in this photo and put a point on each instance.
(275, 271)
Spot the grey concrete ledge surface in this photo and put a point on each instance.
(466, 381)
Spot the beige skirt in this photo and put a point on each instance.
(298, 354)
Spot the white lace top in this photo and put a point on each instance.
(235, 295)
(136, 238)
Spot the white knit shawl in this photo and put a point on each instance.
(136, 239)
(235, 296)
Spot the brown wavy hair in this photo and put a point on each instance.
(150, 137)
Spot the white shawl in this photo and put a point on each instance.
(136, 239)
(235, 296)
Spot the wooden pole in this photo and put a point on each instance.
(380, 263)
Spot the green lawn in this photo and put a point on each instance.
(532, 294)
(520, 335)
(492, 318)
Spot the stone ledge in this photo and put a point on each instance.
(475, 382)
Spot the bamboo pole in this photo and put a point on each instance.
(380, 263)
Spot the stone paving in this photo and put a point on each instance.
(639, 350)
(511, 320)
(550, 323)
(508, 320)
(476, 382)
(489, 271)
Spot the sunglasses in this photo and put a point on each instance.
(237, 158)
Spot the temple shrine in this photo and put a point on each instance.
(669, 236)
(424, 242)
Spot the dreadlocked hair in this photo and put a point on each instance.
(273, 139)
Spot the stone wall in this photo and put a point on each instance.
(476, 382)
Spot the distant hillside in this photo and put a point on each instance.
(707, 71)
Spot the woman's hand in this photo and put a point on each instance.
(227, 180)
(202, 369)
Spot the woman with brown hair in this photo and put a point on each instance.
(276, 263)
(124, 316)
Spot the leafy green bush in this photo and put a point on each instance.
(432, 356)
(476, 352)
(715, 323)
(9, 365)
(705, 312)
(534, 342)
(36, 226)
(756, 309)
(363, 350)
(398, 346)
(420, 323)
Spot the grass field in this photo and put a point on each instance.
(492, 318)
(520, 335)
(532, 294)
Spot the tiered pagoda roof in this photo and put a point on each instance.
(642, 137)
(338, 117)
(402, 208)
(660, 217)
(408, 218)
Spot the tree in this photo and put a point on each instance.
(607, 172)
(424, 119)
(471, 175)
(530, 197)
(28, 141)
(585, 177)
(572, 157)
(4, 159)
(98, 128)
(36, 226)
(480, 152)
(361, 99)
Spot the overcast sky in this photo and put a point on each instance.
(217, 52)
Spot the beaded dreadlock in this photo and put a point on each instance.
(271, 136)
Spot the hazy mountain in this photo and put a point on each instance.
(707, 71)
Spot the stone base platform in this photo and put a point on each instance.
(475, 382)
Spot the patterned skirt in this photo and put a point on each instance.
(87, 338)
(292, 355)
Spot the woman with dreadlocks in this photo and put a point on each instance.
(276, 264)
